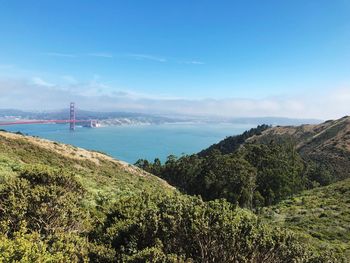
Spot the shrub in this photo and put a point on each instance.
(154, 229)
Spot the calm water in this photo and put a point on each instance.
(129, 143)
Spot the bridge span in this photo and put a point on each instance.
(72, 120)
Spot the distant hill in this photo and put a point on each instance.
(117, 118)
(323, 214)
(327, 143)
(274, 121)
(124, 117)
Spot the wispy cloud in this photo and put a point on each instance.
(40, 82)
(146, 57)
(101, 55)
(57, 54)
(192, 62)
(134, 56)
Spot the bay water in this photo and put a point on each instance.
(132, 142)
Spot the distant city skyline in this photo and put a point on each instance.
(215, 58)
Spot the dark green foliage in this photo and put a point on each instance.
(212, 177)
(249, 173)
(232, 143)
(318, 174)
(227, 176)
(279, 170)
(256, 175)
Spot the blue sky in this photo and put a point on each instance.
(280, 58)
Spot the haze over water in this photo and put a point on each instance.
(130, 143)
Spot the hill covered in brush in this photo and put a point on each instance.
(264, 165)
(268, 166)
(321, 214)
(59, 203)
(326, 144)
(249, 172)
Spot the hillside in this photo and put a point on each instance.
(327, 143)
(263, 165)
(59, 203)
(103, 176)
(232, 143)
(322, 214)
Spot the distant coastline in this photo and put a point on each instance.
(106, 119)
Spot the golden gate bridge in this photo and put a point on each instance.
(72, 120)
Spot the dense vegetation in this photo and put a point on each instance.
(256, 170)
(323, 214)
(232, 143)
(326, 145)
(83, 206)
(262, 166)
(256, 175)
(44, 206)
(184, 229)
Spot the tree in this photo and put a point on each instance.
(279, 168)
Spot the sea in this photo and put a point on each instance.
(132, 142)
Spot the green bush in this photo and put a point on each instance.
(46, 199)
(155, 228)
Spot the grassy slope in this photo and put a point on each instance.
(323, 214)
(327, 143)
(103, 177)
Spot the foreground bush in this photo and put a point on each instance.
(43, 219)
(178, 229)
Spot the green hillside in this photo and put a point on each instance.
(277, 171)
(59, 203)
(102, 176)
(322, 214)
(326, 144)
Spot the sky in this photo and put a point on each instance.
(193, 57)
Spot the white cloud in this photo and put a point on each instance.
(192, 62)
(101, 55)
(135, 56)
(146, 57)
(57, 54)
(40, 82)
(39, 94)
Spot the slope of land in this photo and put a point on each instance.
(103, 176)
(327, 143)
(59, 203)
(322, 214)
